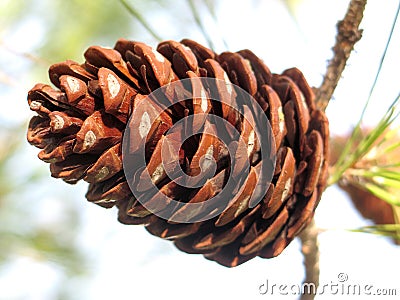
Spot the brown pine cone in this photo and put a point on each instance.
(80, 128)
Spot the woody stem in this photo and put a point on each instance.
(348, 34)
(310, 251)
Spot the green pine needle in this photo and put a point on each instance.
(353, 152)
(382, 193)
(137, 15)
(389, 230)
(199, 23)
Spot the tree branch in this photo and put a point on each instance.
(348, 35)
(310, 250)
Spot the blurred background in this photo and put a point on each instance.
(55, 245)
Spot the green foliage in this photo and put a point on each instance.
(389, 230)
(355, 150)
(371, 162)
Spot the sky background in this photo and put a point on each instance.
(125, 262)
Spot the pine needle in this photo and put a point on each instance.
(136, 14)
(389, 230)
(353, 153)
(199, 23)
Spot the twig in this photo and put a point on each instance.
(28, 56)
(348, 35)
(310, 250)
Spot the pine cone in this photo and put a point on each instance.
(80, 128)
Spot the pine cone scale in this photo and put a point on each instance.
(266, 236)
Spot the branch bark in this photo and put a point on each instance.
(310, 251)
(348, 35)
